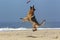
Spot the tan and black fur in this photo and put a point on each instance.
(31, 18)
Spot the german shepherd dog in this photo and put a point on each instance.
(31, 18)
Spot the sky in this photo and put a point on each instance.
(12, 10)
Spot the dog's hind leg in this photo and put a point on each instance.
(34, 28)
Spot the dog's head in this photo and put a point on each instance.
(32, 8)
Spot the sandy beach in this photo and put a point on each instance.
(29, 35)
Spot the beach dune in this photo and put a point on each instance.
(29, 35)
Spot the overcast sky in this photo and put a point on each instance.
(12, 10)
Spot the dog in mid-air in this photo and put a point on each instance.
(32, 19)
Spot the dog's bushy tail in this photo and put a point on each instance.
(42, 23)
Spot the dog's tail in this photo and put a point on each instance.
(42, 23)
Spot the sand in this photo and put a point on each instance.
(29, 35)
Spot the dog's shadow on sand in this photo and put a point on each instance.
(32, 36)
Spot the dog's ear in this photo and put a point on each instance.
(33, 6)
(30, 7)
